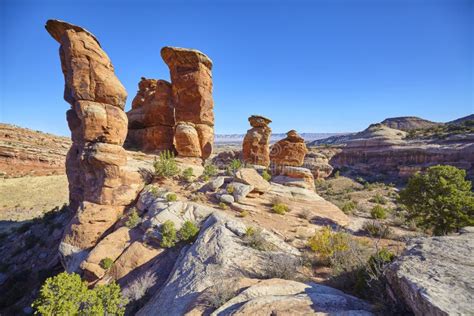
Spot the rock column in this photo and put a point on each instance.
(99, 183)
(191, 84)
(256, 144)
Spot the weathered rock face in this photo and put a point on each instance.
(435, 275)
(256, 144)
(318, 164)
(295, 176)
(289, 151)
(383, 153)
(99, 181)
(191, 80)
(151, 119)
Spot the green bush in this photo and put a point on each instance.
(337, 174)
(188, 174)
(378, 212)
(188, 231)
(133, 219)
(209, 171)
(67, 294)
(280, 208)
(171, 197)
(223, 206)
(439, 199)
(379, 199)
(326, 242)
(166, 165)
(243, 214)
(254, 239)
(349, 207)
(106, 263)
(234, 165)
(376, 229)
(266, 175)
(168, 234)
(230, 189)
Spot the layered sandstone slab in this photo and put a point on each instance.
(256, 144)
(191, 82)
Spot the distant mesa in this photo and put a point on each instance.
(407, 123)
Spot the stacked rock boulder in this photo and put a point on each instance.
(256, 144)
(100, 183)
(151, 119)
(287, 157)
(191, 86)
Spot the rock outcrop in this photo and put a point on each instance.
(289, 151)
(435, 275)
(151, 119)
(256, 144)
(191, 85)
(318, 164)
(100, 184)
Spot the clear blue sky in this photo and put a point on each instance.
(315, 66)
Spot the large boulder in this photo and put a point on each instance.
(294, 176)
(251, 177)
(256, 144)
(289, 151)
(434, 276)
(319, 165)
(186, 140)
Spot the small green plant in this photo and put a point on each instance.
(168, 234)
(348, 207)
(378, 212)
(154, 191)
(337, 174)
(379, 199)
(171, 197)
(376, 229)
(234, 165)
(280, 208)
(106, 263)
(326, 242)
(188, 231)
(243, 214)
(230, 189)
(133, 219)
(188, 174)
(266, 175)
(223, 206)
(254, 238)
(165, 165)
(209, 171)
(67, 294)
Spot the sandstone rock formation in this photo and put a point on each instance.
(289, 151)
(435, 275)
(151, 119)
(255, 147)
(100, 184)
(295, 176)
(319, 165)
(251, 177)
(191, 85)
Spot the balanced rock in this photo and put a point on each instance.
(186, 140)
(256, 144)
(151, 119)
(191, 80)
(289, 151)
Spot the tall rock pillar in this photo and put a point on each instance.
(191, 84)
(256, 144)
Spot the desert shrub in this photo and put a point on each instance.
(348, 207)
(139, 287)
(188, 231)
(168, 234)
(223, 206)
(266, 175)
(219, 294)
(188, 174)
(254, 239)
(439, 199)
(378, 212)
(377, 229)
(171, 197)
(379, 199)
(133, 219)
(282, 266)
(67, 294)
(209, 171)
(280, 208)
(337, 174)
(165, 165)
(106, 263)
(233, 166)
(326, 242)
(243, 214)
(230, 189)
